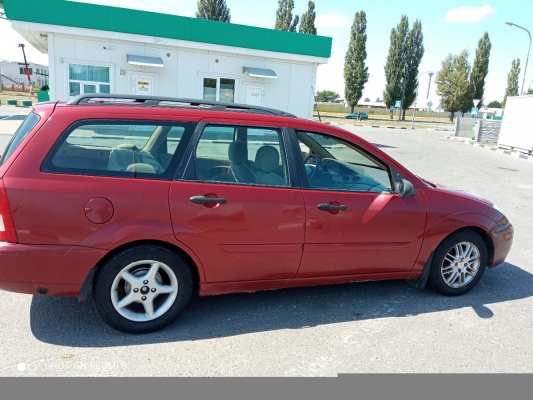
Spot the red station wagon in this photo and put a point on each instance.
(143, 201)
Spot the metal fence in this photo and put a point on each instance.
(16, 87)
(340, 108)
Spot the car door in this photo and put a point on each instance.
(246, 228)
(355, 224)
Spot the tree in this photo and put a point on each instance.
(453, 86)
(308, 20)
(480, 69)
(512, 81)
(494, 104)
(284, 20)
(214, 10)
(326, 96)
(401, 70)
(367, 100)
(395, 65)
(355, 70)
(378, 100)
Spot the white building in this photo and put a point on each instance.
(100, 49)
(15, 72)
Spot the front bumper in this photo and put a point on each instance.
(502, 239)
(61, 270)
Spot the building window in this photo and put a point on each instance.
(219, 89)
(23, 71)
(88, 79)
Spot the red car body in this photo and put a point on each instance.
(58, 227)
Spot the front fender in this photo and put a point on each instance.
(439, 230)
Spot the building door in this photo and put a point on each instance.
(255, 95)
(143, 85)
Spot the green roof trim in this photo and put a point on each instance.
(115, 19)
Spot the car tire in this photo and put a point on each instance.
(128, 273)
(458, 263)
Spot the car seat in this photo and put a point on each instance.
(238, 155)
(267, 161)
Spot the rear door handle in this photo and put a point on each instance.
(206, 200)
(331, 207)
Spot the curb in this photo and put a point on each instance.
(495, 149)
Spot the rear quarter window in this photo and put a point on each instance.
(134, 149)
(25, 128)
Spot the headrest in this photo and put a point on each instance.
(141, 168)
(238, 152)
(127, 146)
(267, 159)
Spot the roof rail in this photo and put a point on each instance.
(156, 101)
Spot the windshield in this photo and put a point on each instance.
(29, 123)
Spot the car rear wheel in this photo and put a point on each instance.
(458, 263)
(142, 289)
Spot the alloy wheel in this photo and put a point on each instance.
(144, 290)
(460, 265)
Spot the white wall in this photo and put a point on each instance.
(517, 130)
(184, 71)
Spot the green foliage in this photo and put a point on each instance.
(401, 70)
(378, 100)
(367, 100)
(284, 20)
(355, 70)
(494, 104)
(214, 10)
(308, 20)
(326, 96)
(413, 56)
(453, 85)
(512, 81)
(480, 69)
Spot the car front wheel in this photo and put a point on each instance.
(458, 263)
(142, 289)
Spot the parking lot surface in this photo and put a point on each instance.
(318, 331)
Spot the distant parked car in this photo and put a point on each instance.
(357, 116)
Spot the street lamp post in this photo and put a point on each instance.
(527, 58)
(416, 98)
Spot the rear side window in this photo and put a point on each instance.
(29, 123)
(150, 150)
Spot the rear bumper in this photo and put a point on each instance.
(502, 239)
(61, 270)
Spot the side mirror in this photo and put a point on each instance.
(405, 188)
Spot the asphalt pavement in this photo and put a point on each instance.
(318, 331)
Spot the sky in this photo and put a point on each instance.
(448, 27)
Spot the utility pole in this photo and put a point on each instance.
(429, 83)
(21, 45)
(529, 48)
(416, 97)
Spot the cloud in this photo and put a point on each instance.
(469, 14)
(332, 20)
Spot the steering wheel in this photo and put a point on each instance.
(317, 165)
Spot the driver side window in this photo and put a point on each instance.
(333, 164)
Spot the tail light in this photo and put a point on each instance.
(7, 227)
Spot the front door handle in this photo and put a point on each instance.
(331, 207)
(208, 200)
